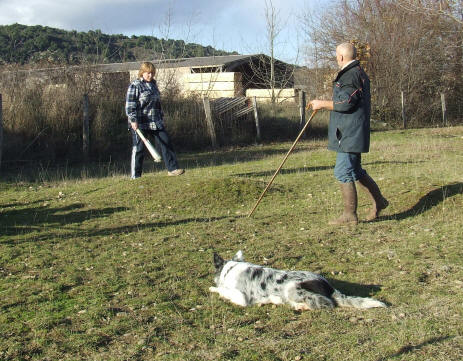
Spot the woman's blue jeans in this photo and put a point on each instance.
(138, 151)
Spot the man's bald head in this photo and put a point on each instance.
(347, 50)
(345, 53)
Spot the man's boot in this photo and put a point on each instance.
(349, 198)
(379, 202)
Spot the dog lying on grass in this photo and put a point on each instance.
(245, 284)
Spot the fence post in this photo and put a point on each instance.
(444, 109)
(404, 120)
(1, 130)
(210, 124)
(256, 119)
(85, 128)
(302, 108)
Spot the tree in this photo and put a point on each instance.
(450, 9)
(23, 44)
(408, 51)
(268, 72)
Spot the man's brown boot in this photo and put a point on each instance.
(349, 198)
(379, 202)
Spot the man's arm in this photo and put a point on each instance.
(318, 104)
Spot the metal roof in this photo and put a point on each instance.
(228, 62)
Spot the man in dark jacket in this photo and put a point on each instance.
(349, 134)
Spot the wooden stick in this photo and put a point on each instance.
(284, 160)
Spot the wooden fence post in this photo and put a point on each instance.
(404, 120)
(444, 109)
(85, 128)
(209, 122)
(302, 108)
(256, 119)
(1, 130)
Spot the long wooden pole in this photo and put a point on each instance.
(444, 109)
(283, 162)
(209, 122)
(256, 119)
(86, 128)
(302, 108)
(1, 130)
(404, 120)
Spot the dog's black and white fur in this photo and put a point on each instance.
(246, 284)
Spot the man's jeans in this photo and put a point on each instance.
(349, 167)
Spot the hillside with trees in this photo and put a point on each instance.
(21, 44)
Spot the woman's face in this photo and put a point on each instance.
(148, 76)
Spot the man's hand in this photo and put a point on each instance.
(317, 104)
(134, 125)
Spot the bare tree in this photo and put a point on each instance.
(266, 71)
(402, 50)
(319, 61)
(168, 76)
(450, 9)
(273, 30)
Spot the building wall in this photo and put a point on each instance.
(213, 85)
(281, 95)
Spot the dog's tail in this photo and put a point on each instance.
(355, 302)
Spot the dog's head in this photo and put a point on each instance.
(219, 262)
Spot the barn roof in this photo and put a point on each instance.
(226, 62)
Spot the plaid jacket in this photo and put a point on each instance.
(143, 105)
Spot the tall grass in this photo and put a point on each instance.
(43, 120)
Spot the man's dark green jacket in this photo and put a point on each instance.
(349, 128)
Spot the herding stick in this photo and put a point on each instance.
(284, 160)
(154, 153)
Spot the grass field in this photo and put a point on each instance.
(105, 268)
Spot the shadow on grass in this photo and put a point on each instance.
(10, 205)
(430, 200)
(110, 231)
(412, 348)
(67, 170)
(148, 226)
(244, 154)
(22, 221)
(310, 169)
(284, 171)
(354, 289)
(378, 162)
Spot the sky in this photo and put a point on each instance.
(231, 25)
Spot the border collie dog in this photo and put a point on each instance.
(245, 284)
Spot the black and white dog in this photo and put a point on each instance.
(246, 284)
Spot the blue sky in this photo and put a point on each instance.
(237, 25)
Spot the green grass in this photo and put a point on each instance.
(94, 266)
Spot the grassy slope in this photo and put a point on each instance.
(112, 269)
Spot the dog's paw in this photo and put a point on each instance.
(301, 307)
(213, 289)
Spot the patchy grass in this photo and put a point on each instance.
(104, 268)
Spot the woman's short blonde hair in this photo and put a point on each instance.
(146, 67)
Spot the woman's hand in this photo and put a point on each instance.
(134, 125)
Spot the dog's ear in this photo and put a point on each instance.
(218, 261)
(238, 257)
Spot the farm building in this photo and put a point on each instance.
(214, 77)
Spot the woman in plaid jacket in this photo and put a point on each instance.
(143, 109)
